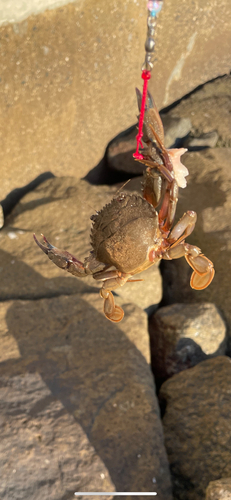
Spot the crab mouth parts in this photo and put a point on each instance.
(156, 252)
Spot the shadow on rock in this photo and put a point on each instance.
(15, 196)
(101, 174)
(20, 281)
(100, 378)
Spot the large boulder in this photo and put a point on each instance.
(209, 111)
(196, 404)
(183, 335)
(78, 404)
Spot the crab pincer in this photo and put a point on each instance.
(62, 258)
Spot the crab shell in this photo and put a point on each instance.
(125, 233)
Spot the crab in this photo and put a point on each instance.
(128, 235)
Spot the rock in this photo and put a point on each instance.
(208, 140)
(219, 490)
(209, 111)
(148, 293)
(60, 208)
(119, 153)
(175, 129)
(78, 405)
(209, 194)
(68, 83)
(183, 335)
(197, 426)
(15, 195)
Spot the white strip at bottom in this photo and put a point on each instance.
(115, 493)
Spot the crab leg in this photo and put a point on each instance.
(168, 208)
(153, 187)
(183, 228)
(112, 280)
(151, 117)
(62, 259)
(152, 192)
(111, 311)
(151, 164)
(203, 271)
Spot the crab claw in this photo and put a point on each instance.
(151, 117)
(149, 101)
(203, 271)
(61, 258)
(111, 311)
(44, 248)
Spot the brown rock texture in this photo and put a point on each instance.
(207, 140)
(197, 426)
(78, 407)
(208, 193)
(183, 335)
(208, 109)
(68, 77)
(219, 490)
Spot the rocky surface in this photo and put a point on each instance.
(14, 196)
(78, 406)
(68, 77)
(209, 111)
(219, 490)
(208, 140)
(197, 426)
(175, 129)
(119, 153)
(209, 194)
(79, 410)
(183, 335)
